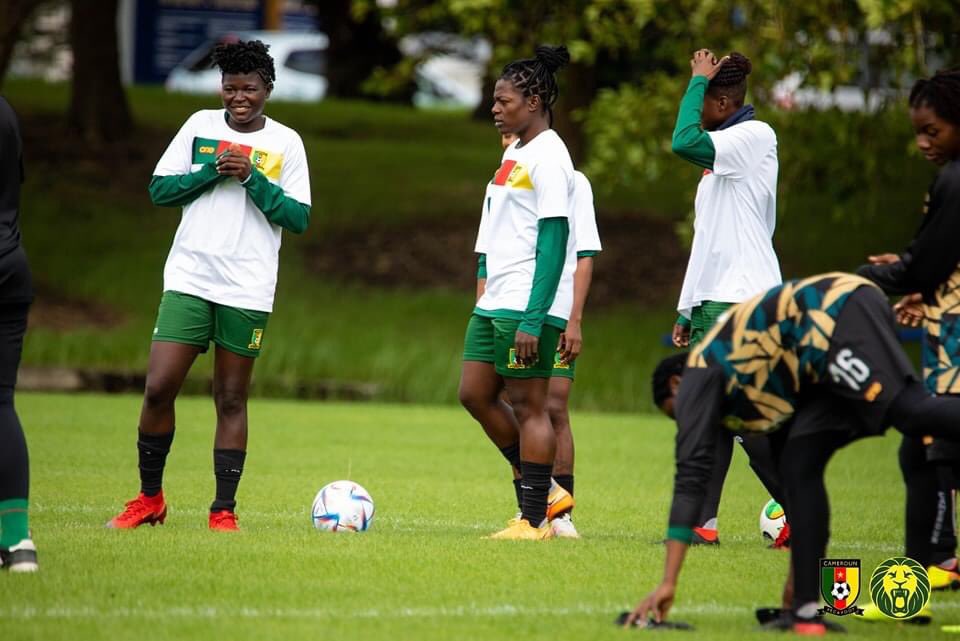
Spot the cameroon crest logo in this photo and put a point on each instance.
(900, 587)
(840, 586)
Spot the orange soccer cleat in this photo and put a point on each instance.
(143, 509)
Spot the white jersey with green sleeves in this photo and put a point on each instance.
(732, 257)
(584, 236)
(225, 250)
(534, 182)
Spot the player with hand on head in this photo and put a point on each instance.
(17, 551)
(814, 364)
(512, 336)
(240, 178)
(928, 274)
(732, 257)
(584, 240)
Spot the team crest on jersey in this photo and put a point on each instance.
(513, 174)
(255, 339)
(840, 586)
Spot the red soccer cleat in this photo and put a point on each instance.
(783, 539)
(705, 536)
(143, 509)
(223, 521)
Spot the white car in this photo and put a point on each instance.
(300, 59)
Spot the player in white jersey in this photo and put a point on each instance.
(513, 334)
(240, 177)
(584, 241)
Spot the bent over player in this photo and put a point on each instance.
(241, 178)
(815, 364)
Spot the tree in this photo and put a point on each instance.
(99, 111)
(13, 15)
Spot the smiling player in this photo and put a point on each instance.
(241, 178)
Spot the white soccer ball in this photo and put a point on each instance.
(772, 520)
(840, 591)
(342, 506)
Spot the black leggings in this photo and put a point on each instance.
(802, 462)
(762, 462)
(14, 469)
(930, 536)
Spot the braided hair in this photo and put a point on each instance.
(245, 57)
(731, 78)
(941, 93)
(666, 369)
(536, 76)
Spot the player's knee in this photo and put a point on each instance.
(471, 400)
(230, 402)
(159, 394)
(559, 415)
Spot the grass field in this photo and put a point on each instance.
(423, 571)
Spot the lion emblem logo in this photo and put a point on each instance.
(900, 587)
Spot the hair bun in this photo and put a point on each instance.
(741, 62)
(553, 58)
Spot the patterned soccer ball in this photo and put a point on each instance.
(840, 591)
(772, 520)
(342, 506)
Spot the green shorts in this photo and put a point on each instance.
(191, 320)
(490, 340)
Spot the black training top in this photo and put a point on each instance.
(932, 256)
(11, 175)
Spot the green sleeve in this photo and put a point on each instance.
(481, 266)
(552, 234)
(683, 321)
(279, 208)
(587, 253)
(176, 191)
(690, 141)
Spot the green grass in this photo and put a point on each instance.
(423, 571)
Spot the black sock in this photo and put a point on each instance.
(512, 454)
(565, 481)
(153, 450)
(519, 491)
(535, 482)
(227, 467)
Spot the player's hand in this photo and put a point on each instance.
(681, 335)
(883, 259)
(909, 310)
(526, 346)
(234, 163)
(704, 63)
(656, 604)
(571, 342)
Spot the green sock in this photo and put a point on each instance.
(13, 522)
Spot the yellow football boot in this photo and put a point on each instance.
(941, 579)
(521, 530)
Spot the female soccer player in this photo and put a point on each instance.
(929, 270)
(511, 337)
(240, 177)
(732, 257)
(17, 552)
(584, 239)
(815, 364)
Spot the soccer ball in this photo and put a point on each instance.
(772, 520)
(342, 506)
(840, 591)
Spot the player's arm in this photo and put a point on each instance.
(572, 341)
(690, 141)
(481, 274)
(176, 191)
(698, 407)
(552, 234)
(279, 208)
(933, 254)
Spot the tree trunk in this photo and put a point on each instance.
(99, 111)
(13, 14)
